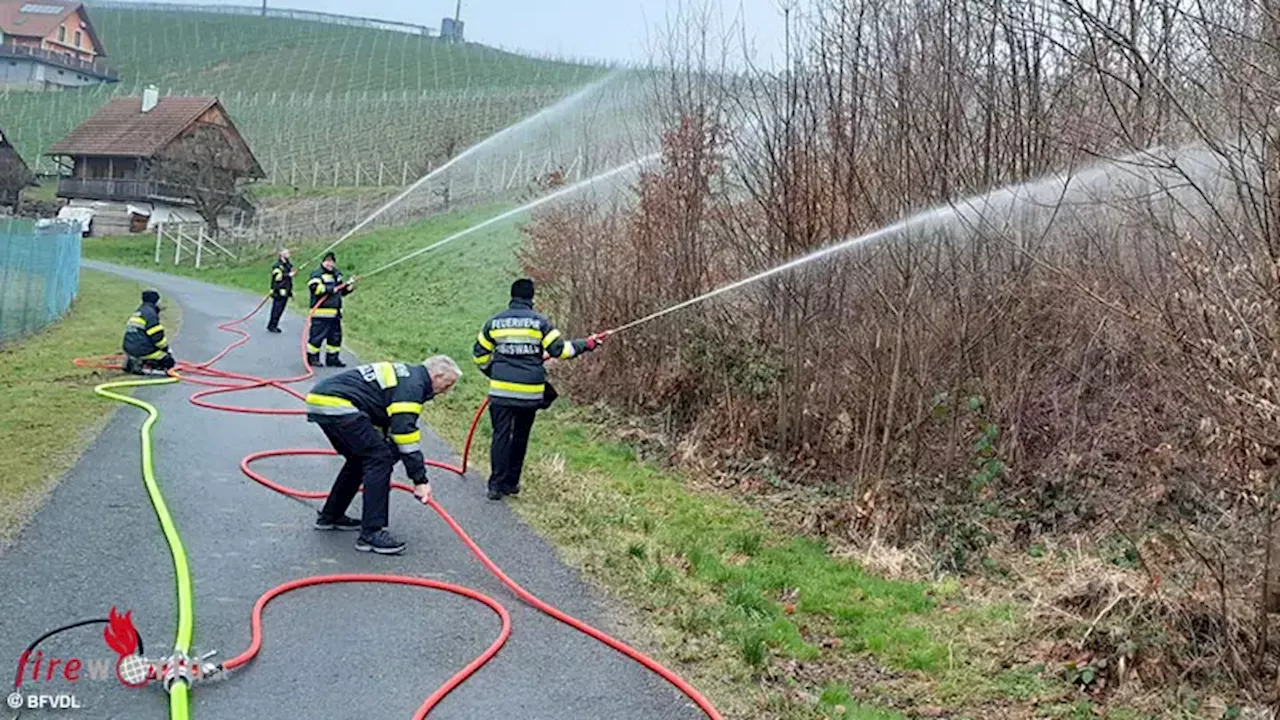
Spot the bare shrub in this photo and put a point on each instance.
(1091, 351)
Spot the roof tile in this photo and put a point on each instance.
(121, 129)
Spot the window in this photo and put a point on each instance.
(77, 38)
(62, 33)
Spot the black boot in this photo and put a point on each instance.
(332, 360)
(313, 360)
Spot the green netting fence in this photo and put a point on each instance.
(39, 274)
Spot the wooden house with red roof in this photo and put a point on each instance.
(50, 45)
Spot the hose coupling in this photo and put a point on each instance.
(207, 671)
(178, 666)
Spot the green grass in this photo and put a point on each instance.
(49, 410)
(730, 599)
(305, 93)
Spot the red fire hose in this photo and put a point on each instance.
(224, 382)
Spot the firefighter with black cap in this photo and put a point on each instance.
(326, 320)
(145, 345)
(281, 288)
(510, 350)
(370, 415)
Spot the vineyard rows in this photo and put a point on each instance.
(320, 104)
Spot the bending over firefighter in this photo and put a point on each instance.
(145, 345)
(370, 415)
(509, 350)
(326, 321)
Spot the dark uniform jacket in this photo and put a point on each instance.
(323, 282)
(509, 351)
(390, 394)
(281, 280)
(144, 335)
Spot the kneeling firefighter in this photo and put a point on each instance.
(510, 350)
(326, 321)
(145, 345)
(370, 415)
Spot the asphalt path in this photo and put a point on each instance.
(345, 651)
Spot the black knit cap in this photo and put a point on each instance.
(330, 256)
(150, 296)
(522, 289)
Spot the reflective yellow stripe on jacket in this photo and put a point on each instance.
(516, 391)
(503, 333)
(386, 375)
(329, 405)
(408, 442)
(404, 407)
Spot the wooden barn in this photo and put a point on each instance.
(14, 174)
(110, 160)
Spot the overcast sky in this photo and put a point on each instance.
(600, 29)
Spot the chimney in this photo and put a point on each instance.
(150, 98)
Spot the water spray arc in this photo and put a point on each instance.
(559, 107)
(576, 187)
(1057, 191)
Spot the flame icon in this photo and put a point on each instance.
(122, 637)
(120, 633)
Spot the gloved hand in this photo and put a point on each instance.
(596, 341)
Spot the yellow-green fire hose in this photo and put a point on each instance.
(179, 706)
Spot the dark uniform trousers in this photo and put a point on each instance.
(511, 428)
(370, 457)
(278, 302)
(325, 336)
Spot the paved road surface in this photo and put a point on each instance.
(355, 651)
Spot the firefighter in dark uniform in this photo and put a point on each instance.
(281, 288)
(370, 415)
(145, 345)
(326, 322)
(509, 351)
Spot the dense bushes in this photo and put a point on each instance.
(1092, 351)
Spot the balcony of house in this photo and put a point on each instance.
(66, 61)
(119, 190)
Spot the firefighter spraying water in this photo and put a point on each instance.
(509, 350)
(327, 288)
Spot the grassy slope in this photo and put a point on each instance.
(304, 92)
(765, 623)
(49, 409)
